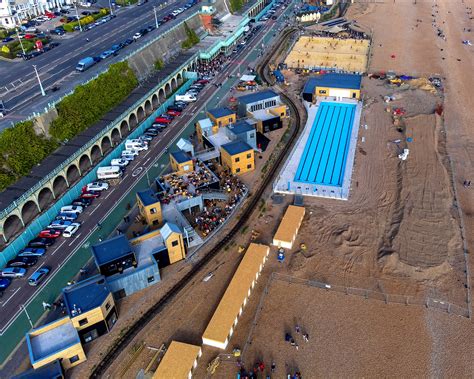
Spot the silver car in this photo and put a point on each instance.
(13, 272)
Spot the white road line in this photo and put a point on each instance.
(95, 208)
(57, 247)
(144, 163)
(14, 293)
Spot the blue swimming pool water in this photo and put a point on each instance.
(324, 157)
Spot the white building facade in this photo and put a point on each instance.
(13, 12)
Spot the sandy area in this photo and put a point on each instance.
(347, 54)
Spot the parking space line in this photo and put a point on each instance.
(14, 293)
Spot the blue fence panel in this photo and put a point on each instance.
(73, 192)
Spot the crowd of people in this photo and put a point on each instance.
(213, 67)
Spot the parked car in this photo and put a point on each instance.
(128, 41)
(82, 202)
(50, 233)
(38, 276)
(128, 157)
(7, 39)
(54, 44)
(118, 162)
(13, 272)
(163, 120)
(176, 108)
(137, 36)
(150, 28)
(202, 81)
(25, 261)
(146, 139)
(4, 283)
(60, 224)
(66, 216)
(106, 54)
(72, 209)
(90, 194)
(148, 133)
(116, 48)
(32, 252)
(158, 126)
(41, 242)
(71, 229)
(97, 186)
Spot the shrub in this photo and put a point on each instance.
(159, 65)
(192, 39)
(21, 149)
(69, 27)
(236, 5)
(91, 101)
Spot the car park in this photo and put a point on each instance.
(71, 229)
(13, 272)
(66, 216)
(118, 162)
(25, 261)
(97, 186)
(50, 233)
(4, 283)
(90, 194)
(137, 36)
(38, 276)
(41, 242)
(32, 252)
(72, 209)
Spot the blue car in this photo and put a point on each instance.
(8, 39)
(66, 216)
(32, 252)
(106, 54)
(116, 48)
(4, 283)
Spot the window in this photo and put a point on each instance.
(156, 222)
(252, 135)
(249, 155)
(73, 359)
(237, 159)
(175, 243)
(151, 279)
(237, 170)
(83, 322)
(249, 166)
(282, 114)
(107, 306)
(230, 120)
(153, 211)
(323, 91)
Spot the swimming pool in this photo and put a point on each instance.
(324, 157)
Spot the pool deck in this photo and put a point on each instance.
(285, 182)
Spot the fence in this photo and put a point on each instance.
(44, 219)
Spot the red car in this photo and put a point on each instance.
(173, 113)
(90, 195)
(49, 233)
(29, 36)
(202, 81)
(162, 120)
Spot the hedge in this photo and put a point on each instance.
(69, 27)
(28, 45)
(236, 5)
(89, 102)
(192, 39)
(20, 150)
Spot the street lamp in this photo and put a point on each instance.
(156, 17)
(39, 81)
(77, 15)
(21, 43)
(110, 6)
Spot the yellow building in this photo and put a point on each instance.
(222, 116)
(181, 162)
(91, 307)
(179, 361)
(150, 208)
(205, 128)
(289, 226)
(238, 156)
(332, 85)
(224, 320)
(173, 239)
(56, 340)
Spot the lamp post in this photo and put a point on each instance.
(21, 43)
(77, 15)
(39, 81)
(110, 6)
(156, 17)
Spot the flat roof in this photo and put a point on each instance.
(220, 112)
(147, 197)
(241, 126)
(229, 307)
(333, 80)
(49, 371)
(111, 249)
(289, 224)
(86, 295)
(178, 361)
(47, 340)
(181, 156)
(263, 114)
(257, 96)
(236, 147)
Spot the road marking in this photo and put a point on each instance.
(144, 163)
(137, 171)
(14, 293)
(95, 208)
(57, 247)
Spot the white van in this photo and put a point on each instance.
(186, 98)
(135, 145)
(71, 209)
(109, 172)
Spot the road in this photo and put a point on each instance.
(19, 292)
(57, 66)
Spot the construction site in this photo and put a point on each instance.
(371, 284)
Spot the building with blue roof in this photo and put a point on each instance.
(238, 156)
(333, 85)
(91, 307)
(257, 101)
(181, 162)
(244, 131)
(52, 370)
(150, 208)
(113, 255)
(221, 116)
